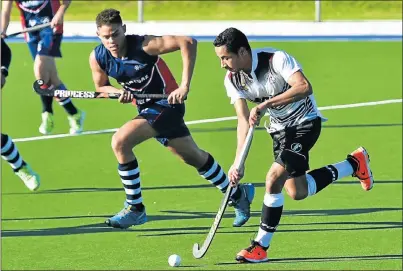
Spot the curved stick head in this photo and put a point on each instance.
(197, 253)
(41, 88)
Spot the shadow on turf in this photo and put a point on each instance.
(173, 215)
(198, 186)
(226, 129)
(327, 259)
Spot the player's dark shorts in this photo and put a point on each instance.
(167, 120)
(45, 43)
(291, 146)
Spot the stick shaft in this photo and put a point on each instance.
(30, 29)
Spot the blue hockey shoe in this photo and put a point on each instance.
(242, 205)
(127, 217)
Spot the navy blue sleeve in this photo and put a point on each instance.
(5, 57)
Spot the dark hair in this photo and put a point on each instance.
(108, 16)
(233, 39)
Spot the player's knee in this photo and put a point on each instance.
(272, 176)
(118, 143)
(195, 158)
(296, 195)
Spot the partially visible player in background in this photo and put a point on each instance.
(134, 62)
(9, 151)
(44, 46)
(274, 80)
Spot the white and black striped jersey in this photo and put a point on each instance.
(271, 69)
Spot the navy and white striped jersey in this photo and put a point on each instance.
(271, 69)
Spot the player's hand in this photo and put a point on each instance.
(235, 175)
(126, 97)
(178, 96)
(3, 35)
(3, 80)
(255, 115)
(57, 20)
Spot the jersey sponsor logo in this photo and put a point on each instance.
(33, 7)
(74, 94)
(296, 147)
(137, 81)
(30, 4)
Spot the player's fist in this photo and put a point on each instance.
(178, 96)
(235, 175)
(126, 97)
(255, 116)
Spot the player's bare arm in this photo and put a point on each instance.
(5, 16)
(58, 18)
(242, 112)
(154, 45)
(102, 84)
(300, 89)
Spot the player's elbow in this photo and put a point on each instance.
(190, 43)
(306, 87)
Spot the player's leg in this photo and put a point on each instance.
(75, 116)
(208, 168)
(45, 69)
(291, 147)
(173, 133)
(47, 124)
(10, 153)
(356, 164)
(124, 140)
(271, 214)
(299, 186)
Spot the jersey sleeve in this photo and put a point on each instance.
(5, 57)
(232, 92)
(285, 65)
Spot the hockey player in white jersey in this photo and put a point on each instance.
(275, 81)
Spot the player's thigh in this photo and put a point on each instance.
(292, 146)
(132, 133)
(166, 120)
(187, 149)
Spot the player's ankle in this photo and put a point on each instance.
(353, 163)
(237, 194)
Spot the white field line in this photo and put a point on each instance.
(105, 131)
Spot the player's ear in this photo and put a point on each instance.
(124, 28)
(241, 51)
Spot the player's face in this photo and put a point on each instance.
(229, 61)
(112, 36)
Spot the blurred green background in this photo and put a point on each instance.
(238, 10)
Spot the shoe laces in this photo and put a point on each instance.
(253, 246)
(24, 173)
(126, 210)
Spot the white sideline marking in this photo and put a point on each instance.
(105, 131)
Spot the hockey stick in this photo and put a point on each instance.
(200, 252)
(43, 90)
(27, 30)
